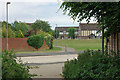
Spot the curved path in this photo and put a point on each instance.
(66, 49)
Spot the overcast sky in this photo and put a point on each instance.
(29, 11)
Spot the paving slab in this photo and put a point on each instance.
(48, 66)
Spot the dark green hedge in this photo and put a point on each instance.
(36, 41)
(12, 69)
(92, 65)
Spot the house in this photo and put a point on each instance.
(113, 43)
(29, 24)
(83, 31)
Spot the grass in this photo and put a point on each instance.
(80, 45)
(55, 49)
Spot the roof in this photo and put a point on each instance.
(84, 26)
(29, 24)
(90, 26)
(61, 29)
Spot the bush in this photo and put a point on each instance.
(36, 41)
(92, 65)
(49, 41)
(14, 69)
(48, 38)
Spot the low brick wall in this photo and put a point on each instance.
(20, 44)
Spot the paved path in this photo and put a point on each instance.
(66, 49)
(49, 66)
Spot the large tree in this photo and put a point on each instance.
(71, 33)
(56, 34)
(16, 26)
(107, 14)
(41, 25)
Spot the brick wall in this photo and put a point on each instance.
(20, 44)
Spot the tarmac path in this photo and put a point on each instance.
(48, 65)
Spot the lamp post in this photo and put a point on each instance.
(7, 21)
(56, 35)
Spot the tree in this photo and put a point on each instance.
(20, 35)
(42, 33)
(107, 14)
(10, 32)
(16, 26)
(71, 33)
(56, 34)
(41, 25)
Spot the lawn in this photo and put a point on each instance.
(81, 44)
(55, 49)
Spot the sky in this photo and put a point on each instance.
(32, 10)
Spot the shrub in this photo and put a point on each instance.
(49, 41)
(71, 32)
(20, 35)
(36, 41)
(42, 33)
(48, 38)
(14, 69)
(92, 65)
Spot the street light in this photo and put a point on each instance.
(56, 34)
(7, 21)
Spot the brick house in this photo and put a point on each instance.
(29, 24)
(83, 31)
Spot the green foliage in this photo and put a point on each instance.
(49, 41)
(56, 34)
(106, 14)
(14, 69)
(71, 32)
(41, 25)
(36, 41)
(10, 32)
(92, 65)
(20, 35)
(48, 38)
(42, 33)
(16, 26)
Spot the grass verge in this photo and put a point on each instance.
(55, 49)
(80, 45)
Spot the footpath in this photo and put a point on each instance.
(48, 65)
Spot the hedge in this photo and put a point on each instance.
(36, 41)
(92, 65)
(14, 69)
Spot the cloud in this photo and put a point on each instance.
(32, 0)
(30, 11)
